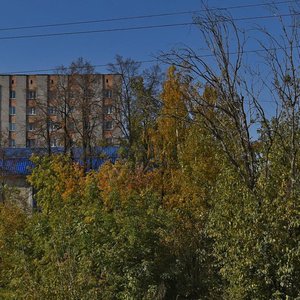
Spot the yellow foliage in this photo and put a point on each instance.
(123, 180)
(172, 122)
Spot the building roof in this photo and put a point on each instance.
(16, 161)
(53, 74)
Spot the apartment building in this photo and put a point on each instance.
(42, 109)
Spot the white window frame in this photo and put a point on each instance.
(12, 110)
(54, 143)
(51, 110)
(109, 109)
(53, 126)
(30, 126)
(29, 143)
(31, 94)
(31, 111)
(12, 143)
(107, 93)
(12, 126)
(12, 94)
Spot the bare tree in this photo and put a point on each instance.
(282, 57)
(137, 104)
(86, 94)
(126, 100)
(232, 113)
(60, 106)
(49, 112)
(72, 111)
(41, 122)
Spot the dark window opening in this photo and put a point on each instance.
(31, 126)
(31, 95)
(30, 143)
(12, 94)
(107, 93)
(31, 111)
(12, 126)
(12, 110)
(109, 141)
(108, 109)
(12, 143)
(109, 125)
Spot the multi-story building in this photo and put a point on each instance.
(53, 110)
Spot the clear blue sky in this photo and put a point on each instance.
(100, 48)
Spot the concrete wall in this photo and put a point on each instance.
(21, 89)
(42, 99)
(4, 107)
(18, 190)
(41, 84)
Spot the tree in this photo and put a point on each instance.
(230, 123)
(87, 93)
(73, 111)
(173, 120)
(13, 220)
(137, 105)
(253, 200)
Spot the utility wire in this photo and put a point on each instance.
(165, 61)
(94, 66)
(144, 16)
(133, 28)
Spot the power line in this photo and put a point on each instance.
(143, 16)
(94, 66)
(156, 60)
(132, 28)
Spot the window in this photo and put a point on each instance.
(51, 95)
(109, 141)
(12, 127)
(71, 126)
(12, 82)
(71, 109)
(106, 80)
(12, 94)
(54, 143)
(107, 93)
(12, 110)
(53, 126)
(108, 109)
(71, 95)
(108, 125)
(51, 110)
(30, 143)
(31, 95)
(12, 143)
(31, 126)
(31, 111)
(31, 81)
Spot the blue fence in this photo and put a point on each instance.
(16, 161)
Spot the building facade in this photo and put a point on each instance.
(58, 110)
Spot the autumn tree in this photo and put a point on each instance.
(256, 188)
(172, 123)
(230, 124)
